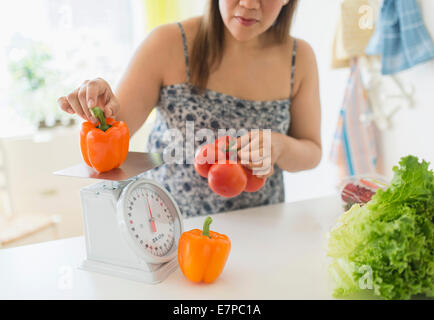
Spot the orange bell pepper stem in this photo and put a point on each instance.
(206, 225)
(99, 114)
(202, 255)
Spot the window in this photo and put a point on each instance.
(55, 45)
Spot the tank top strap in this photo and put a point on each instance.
(294, 56)
(184, 40)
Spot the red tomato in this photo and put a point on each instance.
(227, 179)
(254, 183)
(223, 144)
(205, 158)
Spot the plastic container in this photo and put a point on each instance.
(360, 189)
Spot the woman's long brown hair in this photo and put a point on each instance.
(209, 42)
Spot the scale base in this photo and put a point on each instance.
(153, 277)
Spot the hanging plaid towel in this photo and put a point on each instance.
(354, 148)
(400, 37)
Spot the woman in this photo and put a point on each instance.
(235, 67)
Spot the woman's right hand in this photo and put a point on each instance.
(90, 94)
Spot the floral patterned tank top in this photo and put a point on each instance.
(213, 110)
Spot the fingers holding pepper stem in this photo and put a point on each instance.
(99, 114)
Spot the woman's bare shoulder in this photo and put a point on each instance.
(305, 51)
(163, 45)
(165, 39)
(168, 34)
(191, 27)
(306, 65)
(306, 59)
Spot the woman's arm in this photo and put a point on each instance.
(138, 91)
(301, 149)
(157, 59)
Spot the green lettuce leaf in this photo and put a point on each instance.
(387, 245)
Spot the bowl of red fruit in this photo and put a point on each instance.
(360, 189)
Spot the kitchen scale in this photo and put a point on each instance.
(132, 224)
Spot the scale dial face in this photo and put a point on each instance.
(151, 220)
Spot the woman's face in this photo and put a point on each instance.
(247, 19)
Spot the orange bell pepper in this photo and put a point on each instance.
(104, 146)
(202, 255)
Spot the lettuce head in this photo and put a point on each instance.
(387, 245)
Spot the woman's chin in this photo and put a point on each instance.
(243, 35)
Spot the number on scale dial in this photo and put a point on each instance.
(150, 222)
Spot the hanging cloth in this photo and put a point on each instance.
(354, 148)
(400, 37)
(354, 29)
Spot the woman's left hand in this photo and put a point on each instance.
(259, 151)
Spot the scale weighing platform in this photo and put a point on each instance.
(132, 224)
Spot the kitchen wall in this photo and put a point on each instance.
(315, 23)
(413, 129)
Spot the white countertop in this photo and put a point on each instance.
(277, 253)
